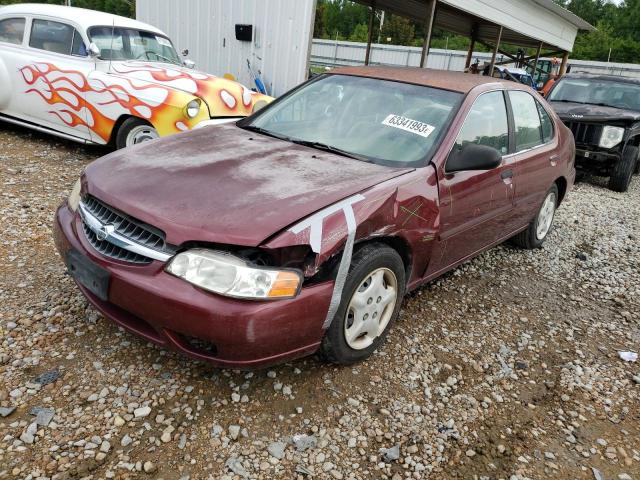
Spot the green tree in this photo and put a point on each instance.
(360, 34)
(399, 30)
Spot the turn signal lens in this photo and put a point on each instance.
(285, 285)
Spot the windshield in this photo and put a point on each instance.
(385, 122)
(597, 92)
(130, 44)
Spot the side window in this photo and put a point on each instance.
(527, 120)
(547, 124)
(12, 30)
(78, 47)
(56, 37)
(486, 124)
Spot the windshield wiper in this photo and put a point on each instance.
(269, 133)
(328, 148)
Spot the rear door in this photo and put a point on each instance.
(536, 160)
(476, 206)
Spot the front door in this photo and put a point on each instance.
(476, 206)
(50, 78)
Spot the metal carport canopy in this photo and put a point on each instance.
(525, 23)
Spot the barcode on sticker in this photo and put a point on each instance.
(409, 125)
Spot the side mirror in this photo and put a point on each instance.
(473, 157)
(94, 50)
(189, 63)
(185, 52)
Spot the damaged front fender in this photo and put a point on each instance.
(402, 212)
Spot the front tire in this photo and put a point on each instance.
(539, 228)
(623, 170)
(134, 131)
(371, 301)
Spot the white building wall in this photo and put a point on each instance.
(283, 30)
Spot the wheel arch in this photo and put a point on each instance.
(562, 185)
(118, 124)
(399, 244)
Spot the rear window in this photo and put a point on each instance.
(12, 30)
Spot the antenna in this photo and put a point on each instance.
(113, 34)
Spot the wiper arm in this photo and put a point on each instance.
(262, 131)
(330, 149)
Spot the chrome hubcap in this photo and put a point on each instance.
(371, 308)
(140, 134)
(545, 216)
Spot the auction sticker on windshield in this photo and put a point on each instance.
(409, 125)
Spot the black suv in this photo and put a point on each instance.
(603, 112)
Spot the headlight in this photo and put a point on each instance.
(231, 276)
(611, 136)
(74, 196)
(193, 108)
(260, 104)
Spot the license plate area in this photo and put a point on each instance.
(88, 274)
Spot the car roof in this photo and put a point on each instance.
(80, 16)
(593, 76)
(443, 79)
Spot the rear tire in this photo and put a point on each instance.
(539, 228)
(371, 301)
(623, 170)
(134, 131)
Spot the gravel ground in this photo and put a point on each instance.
(507, 368)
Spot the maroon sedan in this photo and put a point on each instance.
(301, 228)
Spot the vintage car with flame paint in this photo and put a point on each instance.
(300, 228)
(98, 78)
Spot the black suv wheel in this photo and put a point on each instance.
(624, 169)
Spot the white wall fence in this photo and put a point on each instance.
(331, 53)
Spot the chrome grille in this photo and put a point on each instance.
(585, 133)
(119, 236)
(110, 250)
(127, 227)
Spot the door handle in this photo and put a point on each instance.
(553, 159)
(506, 174)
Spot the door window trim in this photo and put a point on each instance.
(466, 117)
(513, 132)
(77, 30)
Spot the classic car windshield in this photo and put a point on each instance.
(130, 44)
(597, 92)
(381, 121)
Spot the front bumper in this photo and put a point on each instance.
(170, 312)
(600, 161)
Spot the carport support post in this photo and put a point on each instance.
(367, 56)
(428, 27)
(472, 47)
(535, 63)
(565, 62)
(495, 52)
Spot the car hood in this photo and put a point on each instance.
(226, 185)
(225, 98)
(593, 113)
